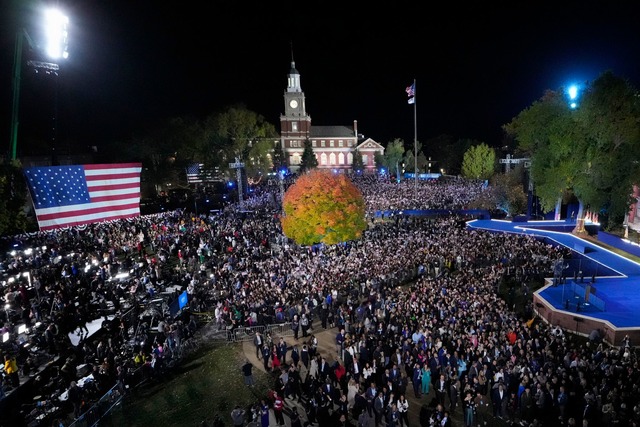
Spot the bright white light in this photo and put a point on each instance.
(22, 329)
(28, 251)
(573, 92)
(56, 30)
(5, 337)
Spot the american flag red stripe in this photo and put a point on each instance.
(66, 196)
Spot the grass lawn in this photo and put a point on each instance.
(207, 385)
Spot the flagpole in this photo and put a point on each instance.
(415, 141)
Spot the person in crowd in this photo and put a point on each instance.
(247, 373)
(11, 370)
(282, 350)
(238, 416)
(75, 396)
(258, 341)
(264, 413)
(403, 408)
(278, 409)
(295, 326)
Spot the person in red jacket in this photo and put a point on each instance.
(278, 407)
(339, 371)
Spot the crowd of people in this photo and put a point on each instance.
(414, 298)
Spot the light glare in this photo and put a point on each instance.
(56, 30)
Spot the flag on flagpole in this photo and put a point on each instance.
(411, 90)
(412, 100)
(65, 196)
(194, 173)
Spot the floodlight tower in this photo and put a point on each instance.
(55, 49)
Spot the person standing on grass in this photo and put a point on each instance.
(247, 371)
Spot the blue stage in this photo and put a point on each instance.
(615, 293)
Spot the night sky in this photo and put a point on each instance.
(135, 64)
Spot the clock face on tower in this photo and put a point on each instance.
(293, 103)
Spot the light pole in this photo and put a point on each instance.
(56, 48)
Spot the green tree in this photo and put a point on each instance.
(610, 114)
(231, 135)
(479, 162)
(393, 156)
(164, 151)
(13, 197)
(323, 207)
(588, 153)
(278, 158)
(410, 164)
(309, 160)
(357, 165)
(508, 192)
(260, 158)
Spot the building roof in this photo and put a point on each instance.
(331, 132)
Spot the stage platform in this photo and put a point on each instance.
(615, 293)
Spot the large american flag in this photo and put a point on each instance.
(65, 196)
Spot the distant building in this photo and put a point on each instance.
(334, 146)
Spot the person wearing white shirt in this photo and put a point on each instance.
(367, 372)
(403, 408)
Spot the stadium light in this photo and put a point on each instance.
(572, 91)
(56, 25)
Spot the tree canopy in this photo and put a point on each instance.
(323, 207)
(13, 194)
(479, 162)
(392, 157)
(309, 160)
(589, 152)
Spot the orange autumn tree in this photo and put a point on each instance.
(323, 207)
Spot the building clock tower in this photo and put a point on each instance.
(295, 123)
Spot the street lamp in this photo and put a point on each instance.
(56, 48)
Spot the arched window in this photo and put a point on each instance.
(323, 158)
(341, 158)
(332, 158)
